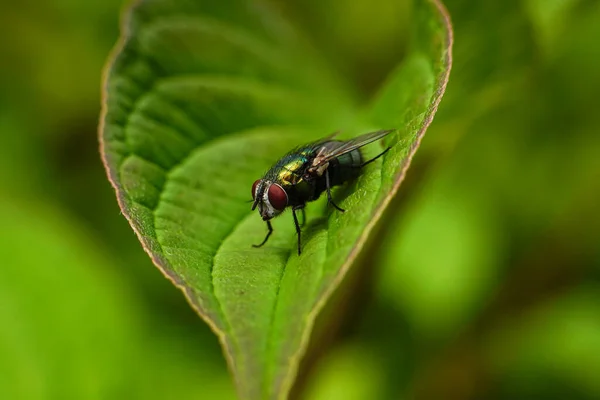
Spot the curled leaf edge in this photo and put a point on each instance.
(162, 265)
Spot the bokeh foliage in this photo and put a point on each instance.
(485, 278)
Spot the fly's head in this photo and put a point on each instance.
(270, 198)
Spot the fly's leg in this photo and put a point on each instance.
(373, 159)
(298, 231)
(303, 217)
(267, 237)
(329, 199)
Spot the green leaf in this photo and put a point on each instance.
(201, 99)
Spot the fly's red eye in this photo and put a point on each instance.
(277, 197)
(254, 185)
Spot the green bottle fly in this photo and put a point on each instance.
(304, 173)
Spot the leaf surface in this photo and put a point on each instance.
(200, 100)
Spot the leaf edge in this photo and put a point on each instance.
(112, 175)
(161, 264)
(442, 83)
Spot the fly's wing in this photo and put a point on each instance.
(315, 146)
(321, 142)
(328, 150)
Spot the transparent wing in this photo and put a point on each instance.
(329, 150)
(319, 143)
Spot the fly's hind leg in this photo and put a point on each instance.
(374, 158)
(328, 186)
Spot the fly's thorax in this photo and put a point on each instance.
(301, 192)
(288, 171)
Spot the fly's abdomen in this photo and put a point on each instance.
(345, 167)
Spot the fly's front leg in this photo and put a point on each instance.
(298, 231)
(267, 237)
(329, 199)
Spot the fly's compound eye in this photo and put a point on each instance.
(277, 197)
(254, 185)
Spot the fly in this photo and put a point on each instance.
(304, 173)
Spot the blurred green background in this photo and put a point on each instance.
(486, 282)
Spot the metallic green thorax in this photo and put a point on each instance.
(289, 172)
(290, 168)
